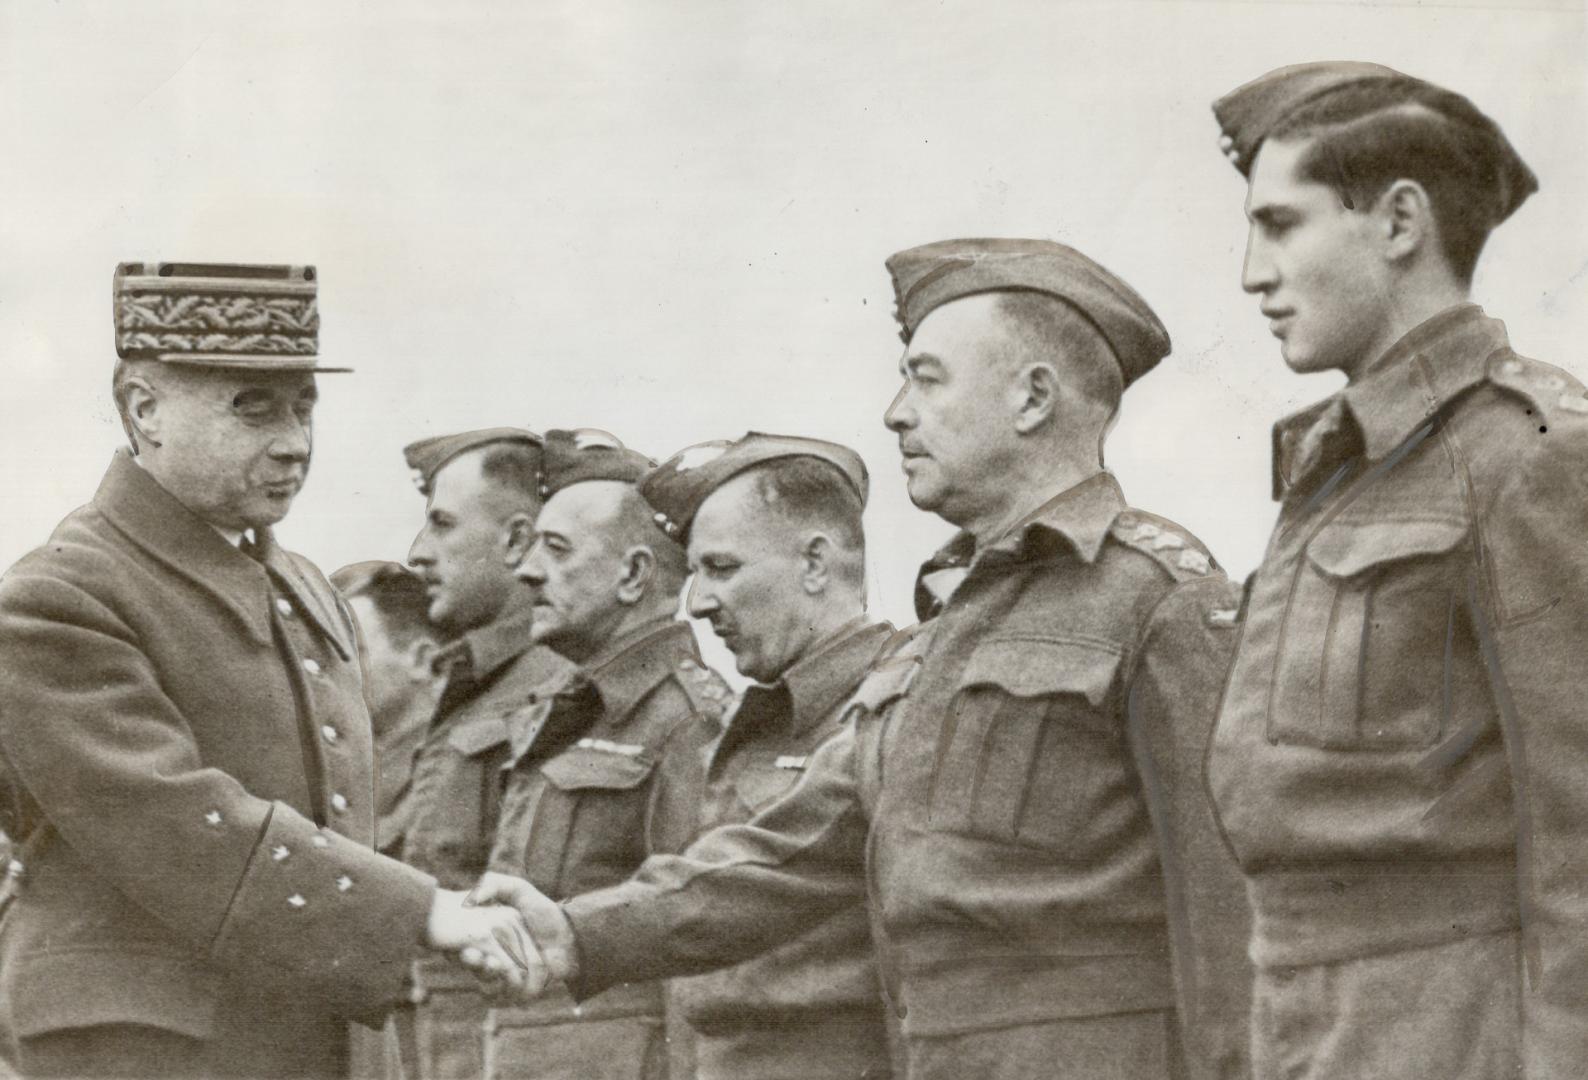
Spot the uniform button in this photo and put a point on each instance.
(320, 841)
(14, 868)
(311, 665)
(344, 883)
(280, 852)
(330, 734)
(284, 607)
(213, 818)
(339, 803)
(296, 900)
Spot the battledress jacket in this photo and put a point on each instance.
(187, 755)
(1016, 793)
(1401, 759)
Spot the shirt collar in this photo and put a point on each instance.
(830, 670)
(1080, 516)
(1419, 375)
(487, 648)
(635, 663)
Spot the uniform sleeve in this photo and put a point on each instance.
(737, 891)
(115, 770)
(1530, 609)
(1173, 705)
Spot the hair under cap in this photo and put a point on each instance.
(1251, 113)
(427, 456)
(676, 488)
(926, 277)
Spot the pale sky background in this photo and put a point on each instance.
(669, 220)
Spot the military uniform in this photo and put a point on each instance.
(987, 780)
(1016, 789)
(581, 813)
(1397, 762)
(189, 767)
(1397, 759)
(454, 795)
(812, 1007)
(581, 808)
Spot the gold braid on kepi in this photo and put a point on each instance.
(232, 315)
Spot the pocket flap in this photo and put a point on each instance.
(584, 767)
(1346, 549)
(1034, 667)
(474, 737)
(70, 988)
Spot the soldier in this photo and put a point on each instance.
(1017, 787)
(581, 805)
(777, 550)
(186, 744)
(481, 500)
(1398, 759)
(396, 643)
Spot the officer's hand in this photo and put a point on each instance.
(491, 938)
(548, 926)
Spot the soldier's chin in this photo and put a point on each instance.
(923, 493)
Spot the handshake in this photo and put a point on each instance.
(514, 939)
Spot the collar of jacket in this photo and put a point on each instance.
(487, 648)
(158, 522)
(1080, 516)
(830, 670)
(1434, 363)
(635, 663)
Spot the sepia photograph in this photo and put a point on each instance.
(705, 540)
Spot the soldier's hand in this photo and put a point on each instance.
(548, 926)
(491, 938)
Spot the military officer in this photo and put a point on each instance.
(1016, 789)
(1398, 760)
(186, 746)
(481, 500)
(581, 809)
(777, 553)
(397, 643)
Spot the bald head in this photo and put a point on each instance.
(599, 566)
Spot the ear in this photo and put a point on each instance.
(143, 411)
(1406, 215)
(639, 570)
(816, 557)
(1040, 391)
(520, 537)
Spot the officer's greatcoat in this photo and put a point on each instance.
(188, 759)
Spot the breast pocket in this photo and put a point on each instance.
(588, 825)
(1374, 617)
(1029, 750)
(477, 750)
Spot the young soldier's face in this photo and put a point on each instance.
(1315, 266)
(749, 580)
